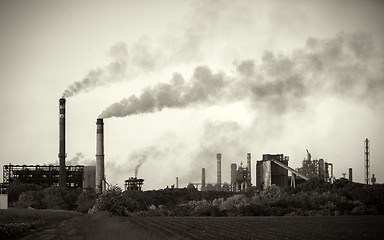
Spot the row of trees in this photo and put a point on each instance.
(311, 198)
(32, 195)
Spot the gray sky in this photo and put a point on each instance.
(179, 81)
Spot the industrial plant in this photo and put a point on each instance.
(271, 169)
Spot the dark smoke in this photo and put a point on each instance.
(348, 65)
(204, 86)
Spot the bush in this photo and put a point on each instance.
(51, 198)
(114, 202)
(16, 188)
(29, 199)
(85, 201)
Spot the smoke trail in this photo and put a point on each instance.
(203, 87)
(139, 157)
(115, 71)
(147, 55)
(348, 65)
(80, 159)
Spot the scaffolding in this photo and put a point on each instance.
(43, 175)
(133, 183)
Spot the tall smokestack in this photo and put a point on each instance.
(366, 161)
(177, 182)
(100, 180)
(218, 156)
(203, 179)
(62, 155)
(249, 166)
(350, 174)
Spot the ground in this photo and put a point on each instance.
(57, 224)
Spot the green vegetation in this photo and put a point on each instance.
(313, 197)
(309, 199)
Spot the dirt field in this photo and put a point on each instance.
(69, 225)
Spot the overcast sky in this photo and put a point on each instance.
(179, 81)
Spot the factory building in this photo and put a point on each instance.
(133, 184)
(317, 168)
(44, 175)
(240, 177)
(270, 170)
(89, 181)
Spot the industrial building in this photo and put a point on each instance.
(43, 175)
(241, 176)
(269, 171)
(133, 184)
(78, 176)
(89, 181)
(317, 168)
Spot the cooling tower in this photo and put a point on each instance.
(62, 155)
(100, 180)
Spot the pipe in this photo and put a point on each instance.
(218, 157)
(100, 179)
(62, 155)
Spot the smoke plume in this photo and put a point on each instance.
(348, 65)
(203, 87)
(146, 54)
(114, 71)
(81, 159)
(137, 158)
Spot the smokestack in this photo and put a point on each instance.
(100, 180)
(366, 166)
(249, 166)
(177, 182)
(218, 156)
(233, 177)
(203, 179)
(62, 155)
(350, 174)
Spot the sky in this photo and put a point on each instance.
(179, 81)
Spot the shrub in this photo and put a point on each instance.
(29, 199)
(16, 188)
(53, 198)
(85, 201)
(235, 205)
(114, 202)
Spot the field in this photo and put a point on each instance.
(69, 225)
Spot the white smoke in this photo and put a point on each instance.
(81, 159)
